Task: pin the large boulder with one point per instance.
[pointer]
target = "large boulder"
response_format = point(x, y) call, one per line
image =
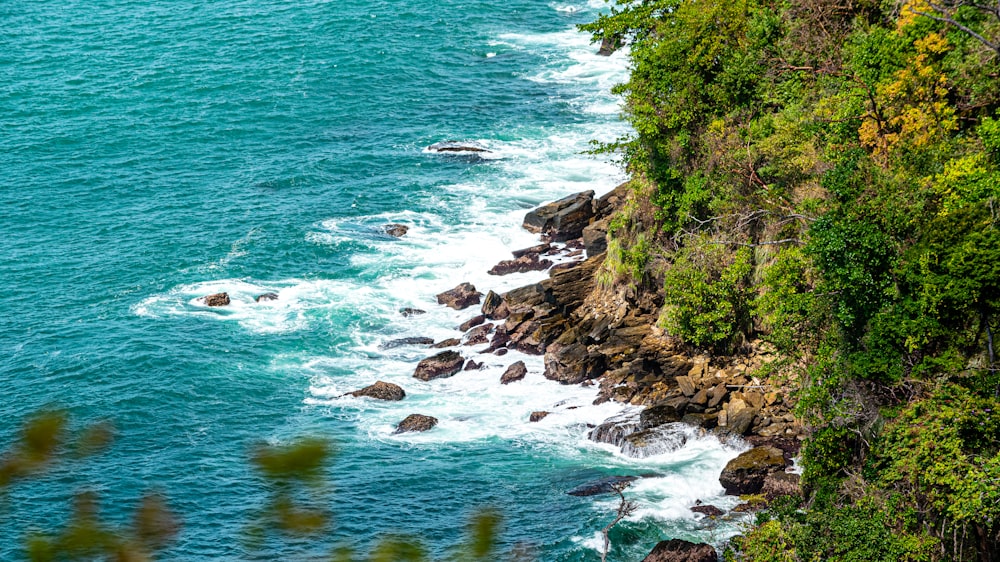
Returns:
point(479, 334)
point(472, 323)
point(677, 550)
point(218, 299)
point(514, 373)
point(444, 364)
point(659, 414)
point(416, 422)
point(462, 296)
point(564, 219)
point(381, 391)
point(746, 473)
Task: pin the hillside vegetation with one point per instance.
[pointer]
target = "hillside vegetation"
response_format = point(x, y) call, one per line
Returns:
point(824, 176)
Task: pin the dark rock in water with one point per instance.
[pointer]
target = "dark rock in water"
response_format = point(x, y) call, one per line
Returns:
point(494, 307)
point(658, 415)
point(537, 250)
point(479, 334)
point(472, 366)
point(746, 473)
point(381, 391)
point(514, 373)
point(564, 219)
point(218, 299)
point(457, 147)
point(614, 430)
point(651, 442)
point(416, 422)
point(500, 351)
point(779, 484)
point(709, 510)
point(461, 297)
point(538, 416)
point(444, 364)
point(472, 322)
point(602, 486)
point(677, 550)
point(450, 342)
point(411, 311)
point(266, 297)
point(396, 230)
point(417, 340)
point(522, 264)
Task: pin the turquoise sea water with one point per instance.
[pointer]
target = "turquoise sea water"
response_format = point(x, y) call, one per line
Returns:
point(153, 153)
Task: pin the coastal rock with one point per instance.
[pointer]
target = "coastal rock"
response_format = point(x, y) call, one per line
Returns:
point(416, 340)
point(472, 366)
point(608, 47)
point(218, 299)
point(450, 342)
point(677, 550)
point(779, 484)
point(660, 414)
point(563, 219)
point(479, 334)
point(494, 307)
point(381, 391)
point(472, 322)
point(573, 364)
point(444, 364)
point(651, 442)
point(536, 250)
point(538, 416)
point(407, 312)
point(416, 422)
point(514, 373)
point(709, 510)
point(605, 485)
point(395, 230)
point(522, 264)
point(461, 297)
point(595, 237)
point(746, 473)
point(266, 297)
point(457, 147)
point(614, 430)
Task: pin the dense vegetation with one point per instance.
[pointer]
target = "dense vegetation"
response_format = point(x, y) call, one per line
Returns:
point(824, 175)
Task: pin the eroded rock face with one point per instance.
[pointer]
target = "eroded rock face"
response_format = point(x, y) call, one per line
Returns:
point(651, 442)
point(381, 391)
point(396, 230)
point(461, 297)
point(677, 550)
point(514, 373)
point(218, 299)
point(564, 219)
point(416, 422)
point(444, 364)
point(746, 473)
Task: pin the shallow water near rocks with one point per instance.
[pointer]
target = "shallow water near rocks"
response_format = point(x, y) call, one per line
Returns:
point(155, 154)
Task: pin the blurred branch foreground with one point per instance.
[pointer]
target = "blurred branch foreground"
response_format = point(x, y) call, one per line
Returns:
point(297, 504)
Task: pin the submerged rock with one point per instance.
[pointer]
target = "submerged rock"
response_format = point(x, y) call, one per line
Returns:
point(709, 510)
point(514, 373)
point(395, 230)
point(457, 147)
point(444, 364)
point(218, 299)
point(461, 297)
point(677, 550)
point(411, 311)
point(381, 391)
point(614, 430)
point(652, 442)
point(538, 416)
point(416, 422)
point(417, 340)
point(605, 485)
point(266, 297)
point(746, 473)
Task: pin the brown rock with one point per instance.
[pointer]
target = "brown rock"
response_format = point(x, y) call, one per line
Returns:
point(537, 250)
point(514, 373)
point(709, 510)
point(396, 230)
point(450, 342)
point(381, 391)
point(746, 473)
point(494, 307)
point(472, 322)
point(472, 366)
point(662, 413)
point(411, 311)
point(719, 393)
point(461, 297)
point(563, 219)
point(677, 550)
point(416, 422)
point(416, 340)
point(479, 334)
point(686, 386)
point(573, 364)
point(538, 416)
point(522, 264)
point(595, 237)
point(444, 364)
point(218, 299)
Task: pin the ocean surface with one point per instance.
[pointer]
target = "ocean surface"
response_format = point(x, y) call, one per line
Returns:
point(155, 152)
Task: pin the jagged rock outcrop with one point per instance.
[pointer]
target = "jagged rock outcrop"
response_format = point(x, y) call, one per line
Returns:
point(478, 335)
point(564, 219)
point(416, 422)
point(677, 550)
point(395, 230)
point(746, 473)
point(381, 391)
point(444, 364)
point(218, 299)
point(708, 510)
point(461, 297)
point(514, 373)
point(530, 262)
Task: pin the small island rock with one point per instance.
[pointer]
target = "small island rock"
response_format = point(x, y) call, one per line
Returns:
point(218, 299)
point(416, 422)
point(381, 391)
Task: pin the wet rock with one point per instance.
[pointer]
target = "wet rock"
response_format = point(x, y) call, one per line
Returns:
point(530, 262)
point(501, 351)
point(417, 340)
point(660, 414)
point(494, 307)
point(514, 373)
point(472, 323)
point(564, 219)
point(266, 297)
point(457, 147)
point(605, 485)
point(472, 366)
point(381, 391)
point(746, 473)
point(218, 299)
point(677, 550)
point(686, 385)
point(779, 484)
point(479, 334)
point(573, 364)
point(614, 430)
point(595, 237)
point(651, 442)
point(411, 311)
point(461, 297)
point(538, 416)
point(444, 364)
point(537, 250)
point(395, 230)
point(416, 422)
point(450, 342)
point(709, 510)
